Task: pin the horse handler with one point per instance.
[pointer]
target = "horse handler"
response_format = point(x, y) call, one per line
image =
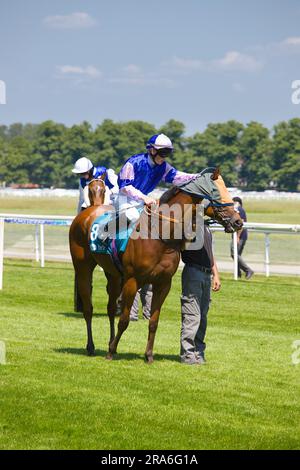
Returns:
point(199, 275)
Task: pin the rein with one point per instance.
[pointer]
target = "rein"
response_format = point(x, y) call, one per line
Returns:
point(150, 212)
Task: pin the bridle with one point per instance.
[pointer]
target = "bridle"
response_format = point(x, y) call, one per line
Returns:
point(99, 180)
point(228, 221)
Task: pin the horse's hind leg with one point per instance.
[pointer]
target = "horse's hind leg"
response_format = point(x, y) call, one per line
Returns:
point(84, 274)
point(128, 294)
point(160, 292)
point(114, 287)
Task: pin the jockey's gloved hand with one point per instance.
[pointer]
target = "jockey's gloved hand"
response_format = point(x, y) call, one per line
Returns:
point(149, 200)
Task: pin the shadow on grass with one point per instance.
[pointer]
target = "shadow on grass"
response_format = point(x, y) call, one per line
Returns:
point(79, 315)
point(118, 356)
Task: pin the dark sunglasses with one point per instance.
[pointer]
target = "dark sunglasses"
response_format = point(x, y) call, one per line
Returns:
point(165, 152)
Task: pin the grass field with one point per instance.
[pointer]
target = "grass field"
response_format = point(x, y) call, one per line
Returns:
point(55, 397)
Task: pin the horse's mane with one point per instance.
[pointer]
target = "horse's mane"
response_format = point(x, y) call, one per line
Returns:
point(168, 194)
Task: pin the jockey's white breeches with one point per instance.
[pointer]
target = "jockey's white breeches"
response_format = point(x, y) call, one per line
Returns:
point(129, 206)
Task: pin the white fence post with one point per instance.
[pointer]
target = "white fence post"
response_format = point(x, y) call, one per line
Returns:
point(37, 251)
point(42, 242)
point(1, 251)
point(235, 256)
point(267, 254)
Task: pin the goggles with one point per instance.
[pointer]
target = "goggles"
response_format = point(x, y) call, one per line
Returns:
point(164, 152)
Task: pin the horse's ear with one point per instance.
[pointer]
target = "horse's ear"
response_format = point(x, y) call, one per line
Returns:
point(216, 174)
point(103, 176)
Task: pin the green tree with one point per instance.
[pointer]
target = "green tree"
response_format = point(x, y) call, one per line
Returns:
point(115, 142)
point(255, 157)
point(49, 164)
point(78, 142)
point(286, 155)
point(218, 145)
point(14, 155)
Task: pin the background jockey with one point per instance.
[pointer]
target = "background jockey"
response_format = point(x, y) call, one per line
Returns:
point(87, 171)
point(142, 173)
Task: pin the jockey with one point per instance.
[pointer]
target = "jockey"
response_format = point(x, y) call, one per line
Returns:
point(142, 173)
point(87, 172)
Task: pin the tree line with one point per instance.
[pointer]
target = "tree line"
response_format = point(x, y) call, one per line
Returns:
point(250, 156)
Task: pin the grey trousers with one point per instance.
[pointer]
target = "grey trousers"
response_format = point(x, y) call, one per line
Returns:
point(242, 266)
point(195, 300)
point(145, 295)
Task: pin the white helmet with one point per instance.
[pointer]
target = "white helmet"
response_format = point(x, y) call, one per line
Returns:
point(159, 141)
point(82, 165)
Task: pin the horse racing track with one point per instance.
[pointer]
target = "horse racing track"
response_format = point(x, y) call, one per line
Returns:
point(55, 397)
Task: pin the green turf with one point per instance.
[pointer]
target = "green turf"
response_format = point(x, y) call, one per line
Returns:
point(39, 205)
point(55, 397)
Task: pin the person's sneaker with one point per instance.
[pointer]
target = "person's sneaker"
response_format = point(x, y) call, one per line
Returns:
point(202, 360)
point(249, 274)
point(190, 360)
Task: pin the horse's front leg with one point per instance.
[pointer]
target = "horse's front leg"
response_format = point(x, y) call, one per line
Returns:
point(128, 294)
point(84, 275)
point(160, 292)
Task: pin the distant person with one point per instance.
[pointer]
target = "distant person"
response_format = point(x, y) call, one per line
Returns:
point(242, 237)
point(199, 275)
point(144, 294)
point(86, 171)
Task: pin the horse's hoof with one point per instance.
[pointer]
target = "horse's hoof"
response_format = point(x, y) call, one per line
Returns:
point(90, 352)
point(109, 356)
point(149, 359)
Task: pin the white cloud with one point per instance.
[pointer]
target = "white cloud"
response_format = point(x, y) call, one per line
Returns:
point(132, 69)
point(143, 81)
point(234, 60)
point(187, 64)
point(76, 71)
point(134, 75)
point(78, 20)
point(238, 87)
point(292, 41)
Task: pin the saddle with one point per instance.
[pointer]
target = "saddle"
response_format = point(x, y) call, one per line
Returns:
point(110, 234)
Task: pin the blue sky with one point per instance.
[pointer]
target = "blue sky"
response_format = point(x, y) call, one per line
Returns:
point(196, 61)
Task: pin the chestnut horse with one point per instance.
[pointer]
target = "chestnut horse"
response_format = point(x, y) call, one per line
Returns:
point(145, 261)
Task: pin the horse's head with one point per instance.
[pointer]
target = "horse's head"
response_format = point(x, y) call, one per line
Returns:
point(209, 186)
point(97, 191)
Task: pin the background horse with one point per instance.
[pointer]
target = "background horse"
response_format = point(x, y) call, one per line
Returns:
point(145, 261)
point(96, 193)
